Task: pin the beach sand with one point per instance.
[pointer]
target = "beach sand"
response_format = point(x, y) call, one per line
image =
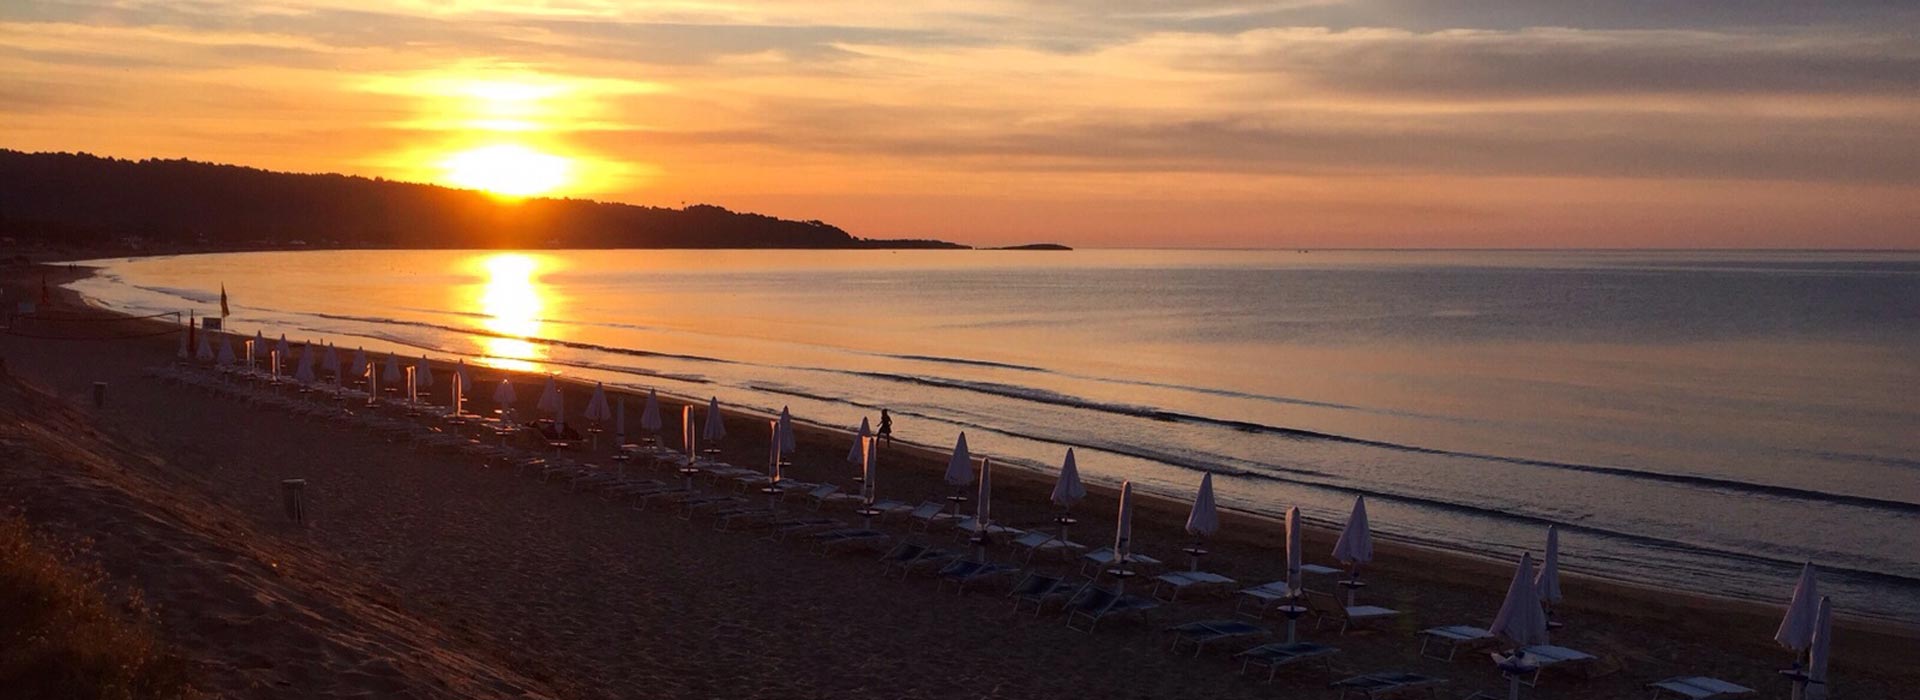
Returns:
point(434, 575)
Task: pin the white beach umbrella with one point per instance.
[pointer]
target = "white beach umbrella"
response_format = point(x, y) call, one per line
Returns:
point(1295, 586)
point(650, 413)
point(686, 431)
point(303, 371)
point(422, 372)
point(391, 374)
point(457, 393)
point(858, 451)
point(549, 396)
point(1822, 647)
point(460, 369)
point(716, 426)
point(773, 450)
point(1796, 629)
point(504, 395)
point(620, 421)
point(1123, 526)
point(359, 366)
point(559, 411)
point(330, 361)
point(204, 353)
point(1204, 518)
point(1521, 622)
point(787, 442)
point(597, 408)
point(870, 470)
point(1068, 489)
point(257, 347)
point(1355, 546)
point(960, 464)
point(1547, 584)
point(285, 350)
point(226, 351)
point(983, 501)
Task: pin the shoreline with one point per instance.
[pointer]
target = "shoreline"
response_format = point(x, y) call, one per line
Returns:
point(1447, 587)
point(1259, 527)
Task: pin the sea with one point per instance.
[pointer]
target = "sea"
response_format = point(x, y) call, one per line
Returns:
point(1702, 421)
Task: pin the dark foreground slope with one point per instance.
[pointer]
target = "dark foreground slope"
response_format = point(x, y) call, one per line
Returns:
point(82, 200)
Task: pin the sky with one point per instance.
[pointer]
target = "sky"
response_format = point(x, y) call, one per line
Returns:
point(1297, 123)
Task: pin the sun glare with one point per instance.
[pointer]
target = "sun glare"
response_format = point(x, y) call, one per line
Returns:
point(507, 169)
point(510, 299)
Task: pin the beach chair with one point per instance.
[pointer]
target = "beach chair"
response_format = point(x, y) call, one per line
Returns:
point(1173, 582)
point(848, 538)
point(1038, 589)
point(1037, 542)
point(1094, 604)
point(1452, 639)
point(1699, 688)
point(1545, 656)
point(724, 520)
point(1274, 657)
point(1205, 632)
point(692, 506)
point(1326, 607)
point(1263, 597)
point(965, 572)
point(818, 496)
point(1392, 684)
point(964, 527)
point(931, 513)
point(1096, 561)
point(781, 529)
point(908, 556)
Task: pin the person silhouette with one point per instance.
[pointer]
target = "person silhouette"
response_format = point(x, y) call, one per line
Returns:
point(886, 427)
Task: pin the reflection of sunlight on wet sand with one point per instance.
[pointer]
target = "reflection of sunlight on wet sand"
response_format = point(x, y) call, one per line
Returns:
point(510, 300)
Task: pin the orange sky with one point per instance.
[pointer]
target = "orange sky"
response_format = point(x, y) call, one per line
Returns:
point(1440, 123)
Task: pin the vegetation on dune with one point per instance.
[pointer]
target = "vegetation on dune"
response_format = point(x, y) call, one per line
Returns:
point(61, 636)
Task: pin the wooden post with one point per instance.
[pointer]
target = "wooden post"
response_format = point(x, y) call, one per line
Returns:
point(293, 497)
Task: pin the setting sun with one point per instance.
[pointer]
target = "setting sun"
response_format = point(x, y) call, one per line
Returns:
point(507, 169)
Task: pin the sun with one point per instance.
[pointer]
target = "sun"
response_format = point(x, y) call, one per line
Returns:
point(508, 169)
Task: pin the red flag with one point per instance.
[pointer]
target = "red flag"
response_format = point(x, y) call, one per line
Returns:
point(223, 300)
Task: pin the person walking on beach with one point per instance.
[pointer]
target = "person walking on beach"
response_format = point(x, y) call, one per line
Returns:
point(886, 427)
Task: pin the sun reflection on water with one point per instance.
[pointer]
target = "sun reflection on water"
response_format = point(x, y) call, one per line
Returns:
point(510, 301)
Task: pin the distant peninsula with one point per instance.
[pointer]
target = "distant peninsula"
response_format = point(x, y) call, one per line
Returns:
point(77, 201)
point(1034, 246)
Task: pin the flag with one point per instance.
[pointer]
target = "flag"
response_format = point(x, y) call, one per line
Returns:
point(223, 301)
point(190, 328)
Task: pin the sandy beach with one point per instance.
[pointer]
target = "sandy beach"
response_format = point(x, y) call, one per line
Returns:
point(429, 574)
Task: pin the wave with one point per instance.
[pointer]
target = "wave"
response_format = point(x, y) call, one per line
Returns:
point(1158, 414)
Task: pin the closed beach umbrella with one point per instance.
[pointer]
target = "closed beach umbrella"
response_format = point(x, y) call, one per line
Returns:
point(686, 431)
point(330, 361)
point(960, 465)
point(1123, 526)
point(1796, 629)
point(1068, 490)
point(650, 413)
point(460, 368)
point(391, 374)
point(597, 409)
point(1294, 559)
point(204, 353)
point(1547, 584)
point(620, 421)
point(787, 442)
point(285, 350)
point(504, 395)
point(226, 351)
point(869, 470)
point(1203, 519)
point(716, 427)
point(422, 372)
point(1355, 546)
point(1817, 658)
point(1521, 622)
point(859, 449)
point(303, 372)
point(773, 451)
point(258, 346)
point(549, 396)
point(359, 366)
point(983, 501)
point(559, 412)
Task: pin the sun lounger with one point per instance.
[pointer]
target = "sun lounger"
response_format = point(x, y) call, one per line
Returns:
point(908, 556)
point(1453, 638)
point(1173, 582)
point(690, 507)
point(1205, 632)
point(931, 513)
point(725, 520)
point(1263, 597)
point(1095, 604)
point(964, 572)
point(832, 540)
point(1277, 656)
point(1096, 561)
point(1038, 589)
point(1328, 607)
point(999, 533)
point(1544, 656)
point(1699, 688)
point(1387, 685)
point(1037, 542)
point(784, 528)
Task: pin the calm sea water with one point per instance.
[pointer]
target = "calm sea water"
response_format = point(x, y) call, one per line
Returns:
point(1699, 420)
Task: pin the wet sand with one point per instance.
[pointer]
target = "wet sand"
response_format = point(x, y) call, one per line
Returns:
point(589, 598)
